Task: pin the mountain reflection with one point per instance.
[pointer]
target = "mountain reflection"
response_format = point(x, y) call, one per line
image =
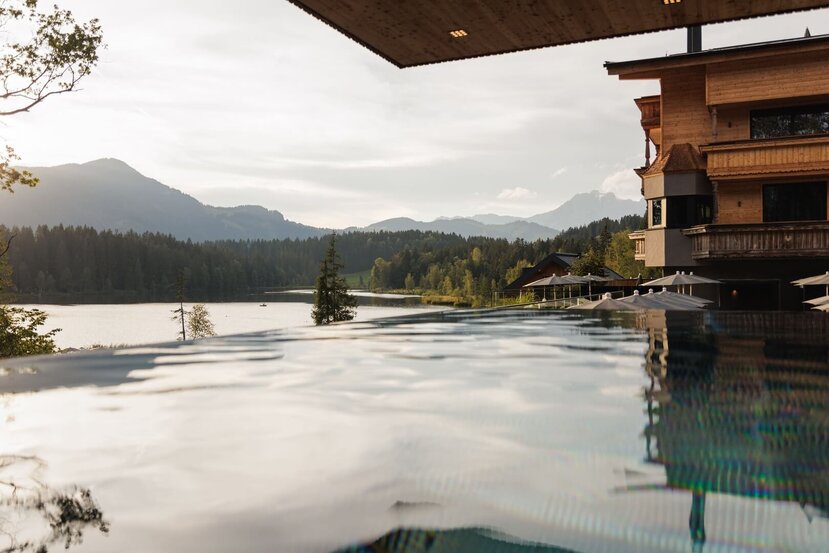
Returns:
point(447, 541)
point(742, 411)
point(34, 516)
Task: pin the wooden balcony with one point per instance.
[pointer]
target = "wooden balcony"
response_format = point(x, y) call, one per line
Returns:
point(780, 157)
point(650, 109)
point(638, 238)
point(759, 241)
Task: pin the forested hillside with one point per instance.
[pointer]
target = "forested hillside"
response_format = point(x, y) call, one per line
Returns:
point(468, 273)
point(81, 261)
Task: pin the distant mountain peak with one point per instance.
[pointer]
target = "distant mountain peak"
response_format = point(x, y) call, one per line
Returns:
point(108, 193)
point(109, 163)
point(586, 207)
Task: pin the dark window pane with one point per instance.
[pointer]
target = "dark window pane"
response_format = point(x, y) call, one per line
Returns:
point(792, 121)
point(656, 213)
point(810, 123)
point(687, 211)
point(794, 202)
point(769, 126)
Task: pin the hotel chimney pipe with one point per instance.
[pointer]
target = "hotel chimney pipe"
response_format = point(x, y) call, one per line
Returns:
point(694, 39)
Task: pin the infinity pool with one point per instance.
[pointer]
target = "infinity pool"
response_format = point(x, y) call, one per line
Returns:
point(507, 431)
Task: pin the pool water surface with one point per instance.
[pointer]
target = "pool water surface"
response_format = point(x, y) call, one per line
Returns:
point(493, 431)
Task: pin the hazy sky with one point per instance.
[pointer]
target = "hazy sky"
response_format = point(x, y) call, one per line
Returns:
point(254, 101)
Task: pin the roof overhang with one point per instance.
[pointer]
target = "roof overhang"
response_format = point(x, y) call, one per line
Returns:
point(652, 68)
point(417, 32)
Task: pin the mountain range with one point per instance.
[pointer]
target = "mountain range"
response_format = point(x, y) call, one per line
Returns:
point(109, 194)
point(467, 227)
point(579, 210)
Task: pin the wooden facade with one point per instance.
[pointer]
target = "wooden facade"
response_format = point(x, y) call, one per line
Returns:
point(759, 241)
point(742, 169)
point(416, 32)
point(785, 157)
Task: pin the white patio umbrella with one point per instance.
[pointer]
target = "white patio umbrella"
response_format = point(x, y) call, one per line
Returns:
point(590, 279)
point(818, 280)
point(555, 280)
point(607, 303)
point(681, 279)
point(662, 303)
point(818, 301)
point(665, 293)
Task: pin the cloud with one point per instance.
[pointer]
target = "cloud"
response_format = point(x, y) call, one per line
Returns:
point(625, 184)
point(558, 172)
point(517, 193)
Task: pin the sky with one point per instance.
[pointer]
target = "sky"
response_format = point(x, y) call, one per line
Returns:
point(256, 102)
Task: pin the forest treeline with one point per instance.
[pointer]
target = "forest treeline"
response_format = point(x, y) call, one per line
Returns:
point(82, 260)
point(469, 273)
point(66, 260)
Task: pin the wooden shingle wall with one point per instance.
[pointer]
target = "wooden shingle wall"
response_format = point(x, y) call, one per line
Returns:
point(793, 76)
point(733, 124)
point(786, 157)
point(685, 117)
point(739, 203)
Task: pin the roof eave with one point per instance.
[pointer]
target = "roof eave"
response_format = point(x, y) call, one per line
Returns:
point(651, 68)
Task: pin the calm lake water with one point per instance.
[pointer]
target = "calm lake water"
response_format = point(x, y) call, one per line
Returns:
point(508, 431)
point(83, 325)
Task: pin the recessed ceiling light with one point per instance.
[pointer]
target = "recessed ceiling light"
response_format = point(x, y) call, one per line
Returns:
point(669, 2)
point(458, 33)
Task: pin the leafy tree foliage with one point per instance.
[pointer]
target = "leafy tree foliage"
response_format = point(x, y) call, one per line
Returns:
point(10, 175)
point(54, 53)
point(332, 302)
point(590, 262)
point(19, 334)
point(620, 257)
point(199, 323)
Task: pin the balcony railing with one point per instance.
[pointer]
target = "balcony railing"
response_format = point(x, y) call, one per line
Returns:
point(806, 155)
point(650, 108)
point(759, 241)
point(638, 238)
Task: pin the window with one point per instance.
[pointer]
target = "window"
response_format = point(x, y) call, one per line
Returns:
point(794, 202)
point(793, 121)
point(656, 213)
point(687, 211)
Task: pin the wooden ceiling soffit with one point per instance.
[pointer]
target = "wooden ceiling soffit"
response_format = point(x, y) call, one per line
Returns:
point(418, 32)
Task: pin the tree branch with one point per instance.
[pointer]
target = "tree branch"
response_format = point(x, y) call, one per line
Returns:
point(8, 245)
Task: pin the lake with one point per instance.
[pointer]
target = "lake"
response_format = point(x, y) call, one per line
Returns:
point(83, 325)
point(509, 431)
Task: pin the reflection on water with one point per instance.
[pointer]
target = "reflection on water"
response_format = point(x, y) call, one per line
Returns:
point(34, 516)
point(741, 413)
point(462, 431)
point(446, 541)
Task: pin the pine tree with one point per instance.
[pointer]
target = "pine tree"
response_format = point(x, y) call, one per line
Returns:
point(332, 302)
point(199, 323)
point(180, 314)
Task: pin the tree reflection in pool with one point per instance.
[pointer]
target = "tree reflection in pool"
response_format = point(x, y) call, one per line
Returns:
point(34, 516)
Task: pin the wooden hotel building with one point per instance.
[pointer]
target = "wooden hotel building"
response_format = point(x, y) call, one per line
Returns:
point(737, 184)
